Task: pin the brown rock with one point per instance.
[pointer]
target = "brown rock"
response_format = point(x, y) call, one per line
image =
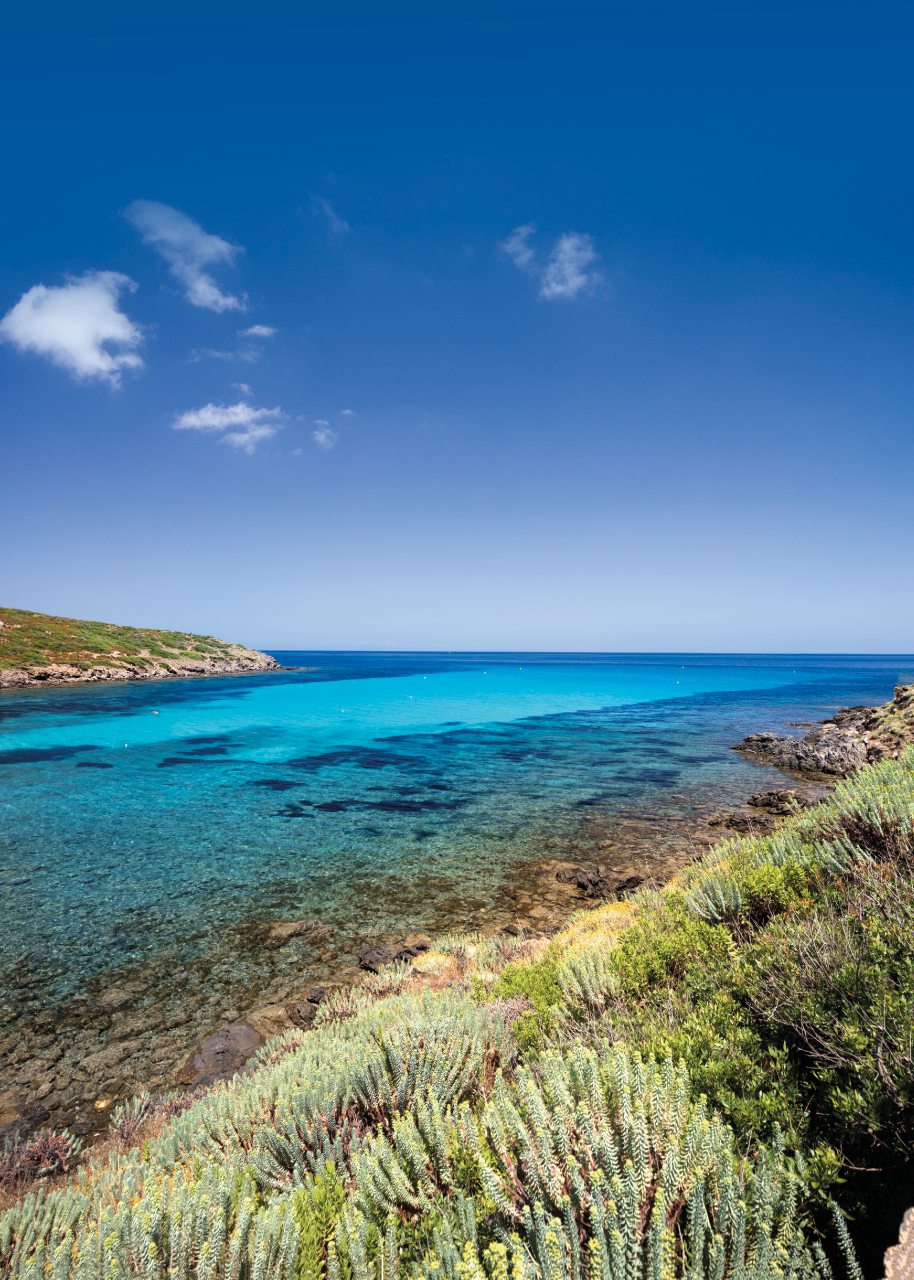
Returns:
point(221, 1054)
point(628, 885)
point(114, 998)
point(376, 955)
point(268, 1020)
point(301, 1013)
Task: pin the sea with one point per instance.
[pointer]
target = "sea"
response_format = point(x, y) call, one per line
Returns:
point(147, 830)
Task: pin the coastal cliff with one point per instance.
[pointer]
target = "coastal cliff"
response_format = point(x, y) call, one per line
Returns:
point(40, 649)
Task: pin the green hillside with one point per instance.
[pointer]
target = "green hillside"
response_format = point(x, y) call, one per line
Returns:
point(34, 642)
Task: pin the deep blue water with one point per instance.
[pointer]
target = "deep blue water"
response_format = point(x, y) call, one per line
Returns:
point(379, 792)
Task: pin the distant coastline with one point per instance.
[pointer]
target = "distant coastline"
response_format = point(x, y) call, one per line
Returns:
point(38, 650)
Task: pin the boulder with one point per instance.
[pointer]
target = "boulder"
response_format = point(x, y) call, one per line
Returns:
point(221, 1054)
point(899, 1260)
point(302, 1013)
point(590, 881)
point(779, 803)
point(375, 955)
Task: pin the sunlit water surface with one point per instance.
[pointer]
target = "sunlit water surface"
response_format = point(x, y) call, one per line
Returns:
point(375, 792)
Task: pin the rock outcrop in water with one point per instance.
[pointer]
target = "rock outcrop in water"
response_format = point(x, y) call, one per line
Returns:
point(852, 737)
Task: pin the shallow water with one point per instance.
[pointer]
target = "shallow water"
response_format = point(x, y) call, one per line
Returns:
point(143, 827)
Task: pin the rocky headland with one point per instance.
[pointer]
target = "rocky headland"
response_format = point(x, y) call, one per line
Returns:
point(39, 649)
point(854, 736)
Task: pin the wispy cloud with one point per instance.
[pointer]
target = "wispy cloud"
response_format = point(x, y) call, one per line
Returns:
point(248, 439)
point(76, 324)
point(567, 270)
point(570, 267)
point(241, 425)
point(243, 388)
point(347, 413)
point(247, 355)
point(518, 248)
point(188, 250)
point(258, 331)
point(337, 226)
point(324, 435)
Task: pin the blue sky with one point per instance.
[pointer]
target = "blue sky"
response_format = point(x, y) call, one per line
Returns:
point(462, 326)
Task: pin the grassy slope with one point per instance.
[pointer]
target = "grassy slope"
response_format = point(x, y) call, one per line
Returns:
point(33, 640)
point(493, 1110)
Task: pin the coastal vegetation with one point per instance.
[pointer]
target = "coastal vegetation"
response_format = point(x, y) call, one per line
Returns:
point(41, 648)
point(713, 1079)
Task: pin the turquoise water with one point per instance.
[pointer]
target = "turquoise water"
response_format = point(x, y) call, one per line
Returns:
point(378, 792)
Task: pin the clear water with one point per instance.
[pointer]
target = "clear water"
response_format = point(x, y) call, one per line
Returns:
point(143, 824)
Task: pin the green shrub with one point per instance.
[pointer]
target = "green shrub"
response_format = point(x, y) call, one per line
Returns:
point(539, 983)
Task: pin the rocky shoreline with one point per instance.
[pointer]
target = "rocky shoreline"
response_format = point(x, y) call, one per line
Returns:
point(853, 737)
point(137, 1030)
point(153, 1028)
point(237, 662)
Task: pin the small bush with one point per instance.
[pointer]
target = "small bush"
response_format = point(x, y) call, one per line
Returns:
point(538, 983)
point(42, 1155)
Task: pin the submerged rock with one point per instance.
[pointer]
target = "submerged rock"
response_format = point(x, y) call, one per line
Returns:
point(282, 931)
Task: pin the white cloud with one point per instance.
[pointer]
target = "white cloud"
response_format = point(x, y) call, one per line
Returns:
point(258, 331)
point(324, 435)
point(75, 323)
point(216, 417)
point(188, 250)
point(567, 271)
point(244, 388)
point(243, 426)
point(248, 439)
point(336, 225)
point(347, 413)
